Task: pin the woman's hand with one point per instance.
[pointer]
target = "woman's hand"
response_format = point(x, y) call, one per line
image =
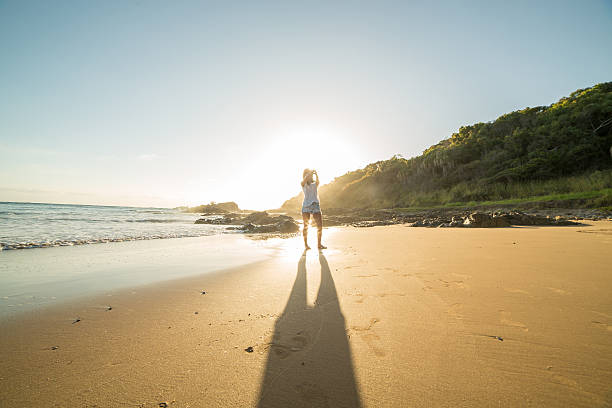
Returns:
point(307, 177)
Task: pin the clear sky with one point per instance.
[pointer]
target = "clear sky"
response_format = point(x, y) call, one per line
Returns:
point(172, 103)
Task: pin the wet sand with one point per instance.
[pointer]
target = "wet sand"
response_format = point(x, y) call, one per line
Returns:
point(387, 317)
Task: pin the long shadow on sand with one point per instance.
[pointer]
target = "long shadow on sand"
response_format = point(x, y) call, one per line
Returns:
point(309, 361)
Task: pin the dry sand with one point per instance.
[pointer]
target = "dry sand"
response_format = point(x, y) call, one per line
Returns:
point(387, 317)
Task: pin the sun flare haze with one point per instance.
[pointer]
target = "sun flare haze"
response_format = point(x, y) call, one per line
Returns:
point(159, 104)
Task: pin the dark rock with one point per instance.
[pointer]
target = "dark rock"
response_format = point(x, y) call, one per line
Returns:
point(456, 222)
point(481, 220)
point(249, 349)
point(248, 227)
point(520, 218)
point(260, 218)
point(288, 226)
point(203, 221)
point(257, 222)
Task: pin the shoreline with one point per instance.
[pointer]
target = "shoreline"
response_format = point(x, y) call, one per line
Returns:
point(43, 276)
point(403, 316)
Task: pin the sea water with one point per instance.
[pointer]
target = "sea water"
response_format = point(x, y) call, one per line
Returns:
point(49, 254)
point(36, 225)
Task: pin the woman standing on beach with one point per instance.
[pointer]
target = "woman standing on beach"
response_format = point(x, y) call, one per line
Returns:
point(311, 205)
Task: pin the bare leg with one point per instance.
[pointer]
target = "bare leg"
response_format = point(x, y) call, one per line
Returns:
point(319, 221)
point(306, 219)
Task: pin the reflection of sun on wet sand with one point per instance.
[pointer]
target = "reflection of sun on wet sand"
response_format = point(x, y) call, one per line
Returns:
point(401, 317)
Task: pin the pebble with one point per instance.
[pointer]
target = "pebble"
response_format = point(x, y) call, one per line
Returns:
point(249, 349)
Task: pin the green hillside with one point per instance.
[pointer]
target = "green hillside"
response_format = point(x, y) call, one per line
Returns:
point(561, 149)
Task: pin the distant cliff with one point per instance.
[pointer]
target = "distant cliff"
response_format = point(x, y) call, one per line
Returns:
point(561, 148)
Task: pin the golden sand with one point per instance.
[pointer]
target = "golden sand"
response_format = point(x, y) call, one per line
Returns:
point(387, 317)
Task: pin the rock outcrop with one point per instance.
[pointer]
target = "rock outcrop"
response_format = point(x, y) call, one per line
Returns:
point(256, 222)
point(481, 220)
point(264, 222)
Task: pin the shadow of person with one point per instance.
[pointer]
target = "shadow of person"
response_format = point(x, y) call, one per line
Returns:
point(309, 361)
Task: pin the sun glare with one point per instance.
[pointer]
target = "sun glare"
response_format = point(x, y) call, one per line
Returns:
point(290, 150)
point(319, 148)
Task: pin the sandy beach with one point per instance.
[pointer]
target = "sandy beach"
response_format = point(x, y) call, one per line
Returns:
point(387, 317)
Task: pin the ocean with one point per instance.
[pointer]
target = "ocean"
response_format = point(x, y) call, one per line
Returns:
point(48, 255)
point(38, 225)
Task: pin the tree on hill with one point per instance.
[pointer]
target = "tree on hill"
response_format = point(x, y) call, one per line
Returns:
point(482, 161)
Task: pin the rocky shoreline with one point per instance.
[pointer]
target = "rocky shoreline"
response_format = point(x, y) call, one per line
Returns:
point(256, 222)
point(465, 218)
point(263, 222)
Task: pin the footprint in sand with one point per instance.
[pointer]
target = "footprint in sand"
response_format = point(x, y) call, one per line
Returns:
point(364, 276)
point(505, 319)
point(382, 295)
point(360, 296)
point(602, 325)
point(370, 338)
point(386, 268)
point(559, 379)
point(295, 343)
point(456, 284)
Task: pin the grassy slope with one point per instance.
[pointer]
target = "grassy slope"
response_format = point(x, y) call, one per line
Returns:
point(554, 153)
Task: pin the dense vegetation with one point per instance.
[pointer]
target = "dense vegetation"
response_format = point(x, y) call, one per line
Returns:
point(558, 149)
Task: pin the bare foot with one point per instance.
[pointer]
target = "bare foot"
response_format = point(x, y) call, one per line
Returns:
point(307, 247)
point(322, 246)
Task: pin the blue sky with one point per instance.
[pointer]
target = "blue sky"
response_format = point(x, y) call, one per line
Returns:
point(172, 103)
